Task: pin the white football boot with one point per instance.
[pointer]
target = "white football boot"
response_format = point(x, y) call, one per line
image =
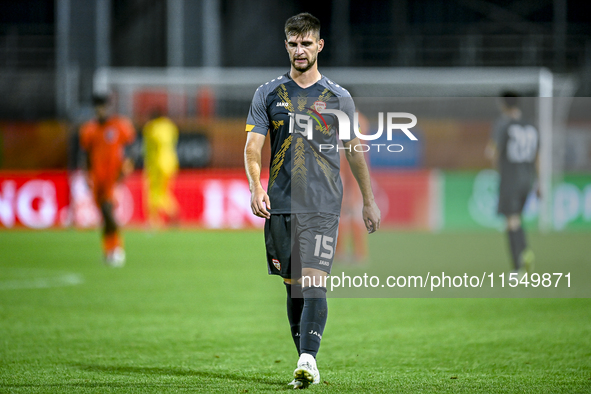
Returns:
point(116, 258)
point(306, 373)
point(295, 384)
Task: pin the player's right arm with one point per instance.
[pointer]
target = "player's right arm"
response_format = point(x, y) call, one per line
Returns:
point(259, 199)
point(257, 127)
point(85, 142)
point(492, 149)
point(491, 152)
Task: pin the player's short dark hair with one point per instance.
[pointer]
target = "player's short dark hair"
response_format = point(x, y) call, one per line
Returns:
point(302, 24)
point(99, 99)
point(510, 99)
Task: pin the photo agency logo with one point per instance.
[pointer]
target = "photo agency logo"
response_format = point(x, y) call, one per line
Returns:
point(304, 124)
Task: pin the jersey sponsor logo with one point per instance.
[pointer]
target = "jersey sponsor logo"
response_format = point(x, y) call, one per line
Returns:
point(280, 104)
point(277, 264)
point(110, 135)
point(319, 105)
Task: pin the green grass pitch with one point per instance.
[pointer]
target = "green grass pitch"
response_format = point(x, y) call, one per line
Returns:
point(194, 311)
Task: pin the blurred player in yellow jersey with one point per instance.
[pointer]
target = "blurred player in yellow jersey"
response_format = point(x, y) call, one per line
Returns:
point(160, 167)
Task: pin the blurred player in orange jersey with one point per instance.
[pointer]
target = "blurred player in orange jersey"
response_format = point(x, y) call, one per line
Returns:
point(160, 166)
point(104, 140)
point(352, 236)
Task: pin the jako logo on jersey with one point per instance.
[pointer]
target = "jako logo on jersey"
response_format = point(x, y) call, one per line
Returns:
point(277, 264)
point(305, 123)
point(282, 104)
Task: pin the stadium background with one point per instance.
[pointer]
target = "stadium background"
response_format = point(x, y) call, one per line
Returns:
point(201, 61)
point(165, 54)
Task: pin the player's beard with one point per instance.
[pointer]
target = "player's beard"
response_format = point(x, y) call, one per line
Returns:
point(308, 65)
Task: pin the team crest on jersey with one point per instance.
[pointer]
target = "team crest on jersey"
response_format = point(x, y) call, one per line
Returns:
point(277, 264)
point(319, 105)
point(110, 135)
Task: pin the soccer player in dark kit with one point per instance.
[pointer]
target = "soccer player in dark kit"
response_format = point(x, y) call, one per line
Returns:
point(514, 147)
point(303, 199)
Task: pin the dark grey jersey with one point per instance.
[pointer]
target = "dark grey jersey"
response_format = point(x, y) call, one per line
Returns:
point(517, 144)
point(304, 172)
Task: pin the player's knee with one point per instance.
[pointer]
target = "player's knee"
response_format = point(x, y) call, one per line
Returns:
point(110, 226)
point(313, 280)
point(314, 292)
point(513, 222)
point(107, 211)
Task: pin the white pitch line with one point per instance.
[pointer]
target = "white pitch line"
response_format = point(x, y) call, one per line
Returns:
point(40, 279)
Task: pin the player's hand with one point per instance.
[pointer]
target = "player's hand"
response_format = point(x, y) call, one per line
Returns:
point(127, 167)
point(371, 217)
point(260, 203)
point(538, 190)
point(87, 178)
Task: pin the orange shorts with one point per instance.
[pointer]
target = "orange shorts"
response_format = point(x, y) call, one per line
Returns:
point(103, 192)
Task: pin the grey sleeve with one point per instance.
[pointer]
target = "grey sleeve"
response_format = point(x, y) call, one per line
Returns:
point(258, 119)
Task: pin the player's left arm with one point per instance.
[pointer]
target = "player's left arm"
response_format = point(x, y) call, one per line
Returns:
point(129, 133)
point(537, 187)
point(371, 213)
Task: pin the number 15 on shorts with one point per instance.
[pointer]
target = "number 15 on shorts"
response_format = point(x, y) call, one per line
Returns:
point(324, 242)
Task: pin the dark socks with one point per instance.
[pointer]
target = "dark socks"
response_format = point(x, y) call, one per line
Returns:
point(313, 320)
point(295, 304)
point(517, 244)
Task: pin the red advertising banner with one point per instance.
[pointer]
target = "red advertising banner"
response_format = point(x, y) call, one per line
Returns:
point(34, 199)
point(207, 198)
point(407, 199)
point(213, 199)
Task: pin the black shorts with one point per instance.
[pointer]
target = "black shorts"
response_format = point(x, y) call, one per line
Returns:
point(512, 201)
point(302, 240)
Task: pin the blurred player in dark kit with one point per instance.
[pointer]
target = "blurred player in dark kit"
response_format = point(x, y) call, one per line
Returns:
point(513, 147)
point(104, 139)
point(303, 201)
